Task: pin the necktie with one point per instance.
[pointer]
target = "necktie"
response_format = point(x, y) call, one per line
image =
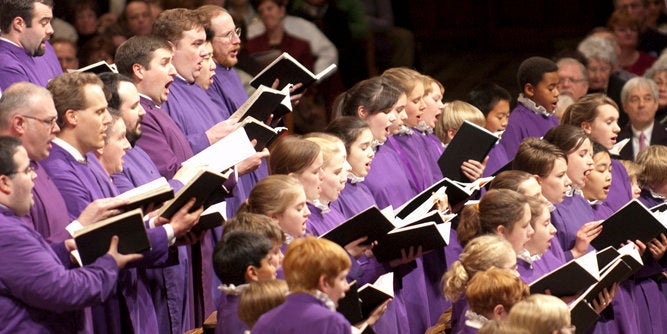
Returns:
point(642, 141)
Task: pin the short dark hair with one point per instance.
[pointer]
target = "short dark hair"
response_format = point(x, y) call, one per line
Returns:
point(486, 95)
point(235, 252)
point(377, 94)
point(8, 146)
point(111, 82)
point(566, 137)
point(347, 128)
point(10, 9)
point(138, 50)
point(537, 156)
point(532, 70)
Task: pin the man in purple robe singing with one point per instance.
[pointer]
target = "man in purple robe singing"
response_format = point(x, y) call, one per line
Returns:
point(27, 112)
point(25, 53)
point(39, 293)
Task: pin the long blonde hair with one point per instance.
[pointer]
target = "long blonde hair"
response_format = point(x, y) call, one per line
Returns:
point(480, 254)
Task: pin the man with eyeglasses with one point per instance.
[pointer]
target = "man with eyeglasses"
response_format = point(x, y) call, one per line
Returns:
point(228, 90)
point(40, 293)
point(25, 53)
point(27, 112)
point(572, 78)
point(201, 120)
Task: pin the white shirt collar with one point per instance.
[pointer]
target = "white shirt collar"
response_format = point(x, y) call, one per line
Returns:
point(70, 149)
point(10, 42)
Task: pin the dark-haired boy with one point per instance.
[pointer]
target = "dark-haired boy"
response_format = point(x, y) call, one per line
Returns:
point(239, 258)
point(534, 114)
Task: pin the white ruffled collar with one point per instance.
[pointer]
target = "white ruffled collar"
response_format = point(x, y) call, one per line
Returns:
point(475, 320)
point(231, 289)
point(354, 179)
point(530, 104)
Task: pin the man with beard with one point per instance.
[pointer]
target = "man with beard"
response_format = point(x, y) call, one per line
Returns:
point(228, 90)
point(25, 53)
point(138, 168)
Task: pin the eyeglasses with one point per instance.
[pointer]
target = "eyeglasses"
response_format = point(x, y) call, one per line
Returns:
point(51, 122)
point(230, 35)
point(27, 171)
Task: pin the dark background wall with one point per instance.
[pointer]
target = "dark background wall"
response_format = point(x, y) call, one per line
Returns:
point(462, 43)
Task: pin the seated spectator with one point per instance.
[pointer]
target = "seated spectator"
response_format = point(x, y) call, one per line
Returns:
point(66, 52)
point(572, 78)
point(658, 73)
point(85, 20)
point(137, 18)
point(626, 28)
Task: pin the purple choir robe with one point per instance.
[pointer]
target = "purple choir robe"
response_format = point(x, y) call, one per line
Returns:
point(388, 180)
point(419, 156)
point(620, 192)
point(194, 112)
point(434, 149)
point(139, 169)
point(16, 65)
point(227, 90)
point(168, 286)
point(319, 223)
point(548, 262)
point(83, 183)
point(568, 217)
point(162, 139)
point(524, 123)
point(497, 159)
point(51, 299)
point(646, 198)
point(601, 211)
point(353, 199)
point(302, 313)
point(228, 317)
point(48, 215)
point(413, 155)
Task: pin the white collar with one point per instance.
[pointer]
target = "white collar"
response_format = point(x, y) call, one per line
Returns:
point(475, 320)
point(323, 297)
point(231, 289)
point(530, 104)
point(70, 149)
point(404, 130)
point(324, 207)
point(354, 179)
point(10, 42)
point(526, 257)
point(424, 128)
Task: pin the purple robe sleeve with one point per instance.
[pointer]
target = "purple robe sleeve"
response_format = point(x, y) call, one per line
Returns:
point(620, 192)
point(53, 287)
point(162, 140)
point(524, 123)
point(75, 181)
point(48, 214)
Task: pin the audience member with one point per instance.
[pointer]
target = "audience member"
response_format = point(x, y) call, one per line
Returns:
point(640, 101)
point(572, 78)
